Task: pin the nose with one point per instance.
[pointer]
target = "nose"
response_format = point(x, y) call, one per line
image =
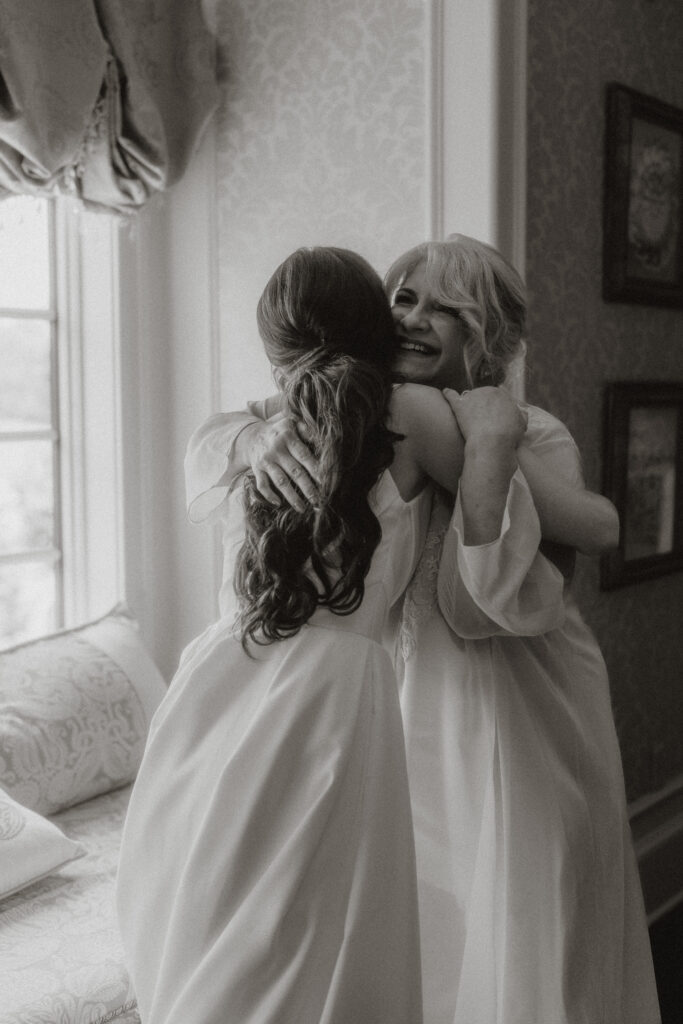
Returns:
point(414, 319)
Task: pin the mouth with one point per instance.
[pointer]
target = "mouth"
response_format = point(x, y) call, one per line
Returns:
point(406, 345)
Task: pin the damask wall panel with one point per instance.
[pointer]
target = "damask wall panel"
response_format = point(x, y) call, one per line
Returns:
point(321, 140)
point(577, 342)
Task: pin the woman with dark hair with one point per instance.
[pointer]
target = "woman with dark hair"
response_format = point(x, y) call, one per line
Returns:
point(267, 871)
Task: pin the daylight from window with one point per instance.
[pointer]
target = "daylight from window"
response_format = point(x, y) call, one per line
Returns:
point(29, 524)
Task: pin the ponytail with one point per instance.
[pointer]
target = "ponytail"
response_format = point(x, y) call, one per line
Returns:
point(291, 562)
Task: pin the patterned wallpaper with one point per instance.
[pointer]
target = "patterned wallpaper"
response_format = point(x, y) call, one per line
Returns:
point(321, 140)
point(577, 342)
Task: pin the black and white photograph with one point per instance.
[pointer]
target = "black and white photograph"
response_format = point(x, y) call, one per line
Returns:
point(341, 512)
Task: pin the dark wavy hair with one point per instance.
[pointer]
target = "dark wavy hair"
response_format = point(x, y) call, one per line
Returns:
point(327, 328)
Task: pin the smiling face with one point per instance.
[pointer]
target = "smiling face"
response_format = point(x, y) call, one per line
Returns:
point(431, 336)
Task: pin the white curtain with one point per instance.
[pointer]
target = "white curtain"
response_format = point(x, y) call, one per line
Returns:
point(103, 99)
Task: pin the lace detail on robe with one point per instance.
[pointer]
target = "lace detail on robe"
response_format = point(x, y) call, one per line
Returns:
point(421, 595)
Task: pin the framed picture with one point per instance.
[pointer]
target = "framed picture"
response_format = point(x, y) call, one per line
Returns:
point(643, 207)
point(643, 476)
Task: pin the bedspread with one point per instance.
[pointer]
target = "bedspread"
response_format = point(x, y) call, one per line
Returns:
point(61, 959)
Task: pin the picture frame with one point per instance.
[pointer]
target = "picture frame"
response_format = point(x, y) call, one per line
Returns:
point(643, 199)
point(643, 476)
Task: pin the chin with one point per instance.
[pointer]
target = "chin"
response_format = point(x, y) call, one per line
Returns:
point(405, 370)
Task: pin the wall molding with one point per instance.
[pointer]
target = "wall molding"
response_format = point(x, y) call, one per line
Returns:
point(215, 356)
point(435, 120)
point(71, 429)
point(657, 828)
point(511, 103)
point(476, 121)
point(89, 333)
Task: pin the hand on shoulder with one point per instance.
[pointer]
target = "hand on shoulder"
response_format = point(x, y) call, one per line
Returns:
point(284, 467)
point(488, 413)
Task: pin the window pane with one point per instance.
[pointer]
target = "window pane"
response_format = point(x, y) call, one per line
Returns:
point(27, 601)
point(26, 495)
point(24, 253)
point(25, 378)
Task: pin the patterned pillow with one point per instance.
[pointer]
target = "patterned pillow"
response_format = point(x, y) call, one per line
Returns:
point(75, 708)
point(30, 847)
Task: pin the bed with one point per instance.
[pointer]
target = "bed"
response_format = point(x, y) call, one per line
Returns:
point(75, 709)
point(61, 955)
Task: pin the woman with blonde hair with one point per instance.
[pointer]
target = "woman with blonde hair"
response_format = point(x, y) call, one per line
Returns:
point(530, 900)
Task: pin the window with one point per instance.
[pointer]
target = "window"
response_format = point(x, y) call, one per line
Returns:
point(31, 595)
point(60, 426)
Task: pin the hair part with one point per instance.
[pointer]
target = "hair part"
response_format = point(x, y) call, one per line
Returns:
point(327, 326)
point(488, 294)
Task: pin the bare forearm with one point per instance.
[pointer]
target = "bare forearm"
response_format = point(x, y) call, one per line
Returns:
point(493, 426)
point(568, 515)
point(489, 465)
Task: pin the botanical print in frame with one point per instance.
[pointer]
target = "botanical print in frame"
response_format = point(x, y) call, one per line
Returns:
point(643, 208)
point(644, 478)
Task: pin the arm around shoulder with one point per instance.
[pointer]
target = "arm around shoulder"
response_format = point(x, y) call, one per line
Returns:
point(216, 454)
point(432, 446)
point(569, 514)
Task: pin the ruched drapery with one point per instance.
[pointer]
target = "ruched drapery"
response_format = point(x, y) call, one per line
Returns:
point(102, 99)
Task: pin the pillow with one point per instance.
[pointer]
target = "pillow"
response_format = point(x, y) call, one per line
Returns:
point(75, 709)
point(30, 847)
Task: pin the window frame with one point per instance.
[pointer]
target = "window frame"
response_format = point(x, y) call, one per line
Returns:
point(53, 554)
point(85, 414)
point(89, 374)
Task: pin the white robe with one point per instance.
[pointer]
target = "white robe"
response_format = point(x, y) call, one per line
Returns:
point(531, 910)
point(267, 871)
point(530, 903)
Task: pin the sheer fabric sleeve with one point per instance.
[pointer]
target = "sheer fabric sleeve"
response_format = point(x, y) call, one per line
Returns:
point(550, 440)
point(505, 587)
point(208, 481)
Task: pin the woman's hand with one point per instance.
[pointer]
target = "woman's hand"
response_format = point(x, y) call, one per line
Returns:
point(488, 413)
point(570, 516)
point(280, 458)
point(493, 425)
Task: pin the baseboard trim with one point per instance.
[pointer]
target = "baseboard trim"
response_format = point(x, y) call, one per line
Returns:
point(657, 828)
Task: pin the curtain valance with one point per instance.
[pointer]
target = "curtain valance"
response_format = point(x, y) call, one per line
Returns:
point(103, 99)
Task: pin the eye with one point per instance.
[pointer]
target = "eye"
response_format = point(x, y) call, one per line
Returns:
point(403, 297)
point(448, 310)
